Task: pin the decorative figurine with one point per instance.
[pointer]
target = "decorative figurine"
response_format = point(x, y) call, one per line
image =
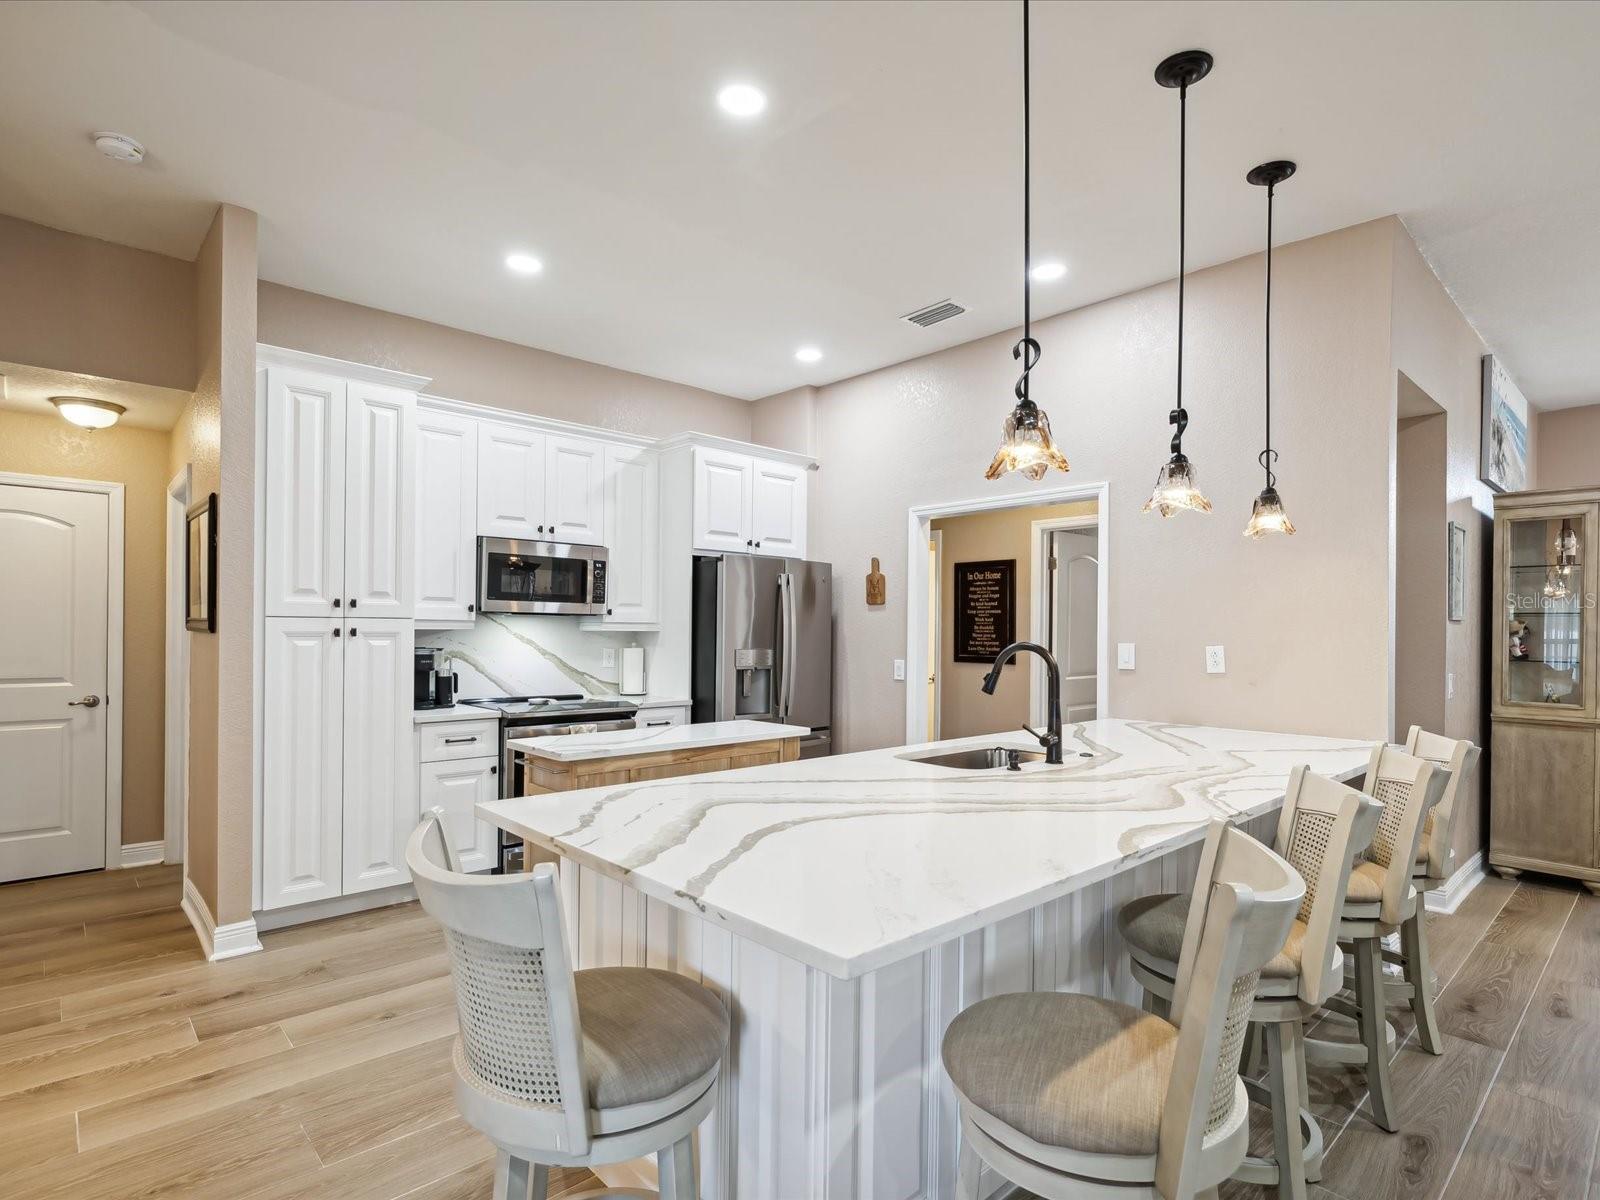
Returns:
point(1519, 638)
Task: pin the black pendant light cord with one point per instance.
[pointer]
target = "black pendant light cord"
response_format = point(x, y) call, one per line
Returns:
point(1027, 350)
point(1269, 455)
point(1180, 416)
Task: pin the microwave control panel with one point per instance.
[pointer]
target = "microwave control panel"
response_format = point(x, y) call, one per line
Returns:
point(599, 596)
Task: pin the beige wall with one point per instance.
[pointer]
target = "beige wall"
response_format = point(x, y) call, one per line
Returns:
point(73, 303)
point(1568, 446)
point(1420, 568)
point(482, 370)
point(1304, 619)
point(1006, 533)
point(216, 435)
point(36, 444)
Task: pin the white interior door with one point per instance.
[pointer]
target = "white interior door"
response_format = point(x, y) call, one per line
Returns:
point(1075, 618)
point(53, 671)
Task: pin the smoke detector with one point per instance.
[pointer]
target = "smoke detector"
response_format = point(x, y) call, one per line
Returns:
point(119, 147)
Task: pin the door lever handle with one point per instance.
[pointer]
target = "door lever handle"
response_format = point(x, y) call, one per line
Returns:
point(86, 702)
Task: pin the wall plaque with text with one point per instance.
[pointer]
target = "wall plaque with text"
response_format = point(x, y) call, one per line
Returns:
point(986, 609)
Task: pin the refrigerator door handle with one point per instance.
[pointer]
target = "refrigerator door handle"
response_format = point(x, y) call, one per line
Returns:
point(790, 640)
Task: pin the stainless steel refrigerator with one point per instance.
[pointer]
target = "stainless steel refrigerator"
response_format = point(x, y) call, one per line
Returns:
point(763, 643)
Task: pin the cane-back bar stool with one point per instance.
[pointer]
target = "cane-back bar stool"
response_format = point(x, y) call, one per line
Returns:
point(1381, 899)
point(557, 1067)
point(1073, 1096)
point(1322, 827)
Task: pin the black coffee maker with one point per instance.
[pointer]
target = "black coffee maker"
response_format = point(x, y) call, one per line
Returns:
point(432, 688)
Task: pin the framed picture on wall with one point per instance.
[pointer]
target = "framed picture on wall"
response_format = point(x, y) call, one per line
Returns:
point(200, 566)
point(986, 609)
point(1456, 573)
point(1503, 435)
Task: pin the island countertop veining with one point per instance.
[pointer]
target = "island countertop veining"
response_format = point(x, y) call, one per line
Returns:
point(857, 861)
point(624, 743)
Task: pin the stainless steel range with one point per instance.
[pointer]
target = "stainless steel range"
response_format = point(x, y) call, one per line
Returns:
point(546, 716)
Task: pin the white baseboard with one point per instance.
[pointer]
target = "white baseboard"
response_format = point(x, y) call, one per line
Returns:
point(217, 941)
point(337, 906)
point(1458, 887)
point(142, 854)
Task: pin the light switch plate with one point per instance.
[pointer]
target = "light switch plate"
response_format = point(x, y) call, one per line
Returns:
point(900, 669)
point(608, 658)
point(1124, 656)
point(1214, 661)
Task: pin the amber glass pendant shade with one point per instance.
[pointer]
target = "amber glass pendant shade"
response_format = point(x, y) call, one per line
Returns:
point(1026, 445)
point(1176, 489)
point(1267, 515)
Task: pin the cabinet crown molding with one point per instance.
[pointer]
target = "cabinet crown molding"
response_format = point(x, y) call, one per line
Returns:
point(508, 416)
point(282, 356)
point(753, 449)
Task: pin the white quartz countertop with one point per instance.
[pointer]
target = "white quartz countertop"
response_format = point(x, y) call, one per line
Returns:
point(857, 861)
point(581, 747)
point(456, 712)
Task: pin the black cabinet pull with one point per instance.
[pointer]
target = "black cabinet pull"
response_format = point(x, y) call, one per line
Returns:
point(457, 741)
point(352, 631)
point(472, 608)
point(608, 612)
point(652, 724)
point(336, 602)
point(494, 770)
point(352, 601)
point(337, 631)
point(748, 542)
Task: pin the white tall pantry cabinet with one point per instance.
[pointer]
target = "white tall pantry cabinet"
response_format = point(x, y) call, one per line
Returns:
point(338, 782)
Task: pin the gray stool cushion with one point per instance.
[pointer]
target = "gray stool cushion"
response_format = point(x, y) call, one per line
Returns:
point(1366, 883)
point(1067, 1070)
point(646, 1033)
point(1153, 926)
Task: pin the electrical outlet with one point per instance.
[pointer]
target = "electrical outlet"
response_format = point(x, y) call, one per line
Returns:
point(1214, 661)
point(608, 658)
point(1124, 656)
point(900, 669)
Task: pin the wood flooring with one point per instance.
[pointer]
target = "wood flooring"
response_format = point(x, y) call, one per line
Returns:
point(131, 1067)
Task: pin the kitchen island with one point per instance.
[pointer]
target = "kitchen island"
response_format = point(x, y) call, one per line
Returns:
point(849, 907)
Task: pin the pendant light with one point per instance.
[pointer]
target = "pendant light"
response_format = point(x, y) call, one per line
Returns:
point(1176, 488)
point(1025, 442)
point(1266, 514)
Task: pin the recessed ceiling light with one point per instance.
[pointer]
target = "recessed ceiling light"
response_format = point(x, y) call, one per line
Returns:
point(119, 146)
point(1049, 271)
point(524, 264)
point(742, 100)
point(88, 413)
point(808, 354)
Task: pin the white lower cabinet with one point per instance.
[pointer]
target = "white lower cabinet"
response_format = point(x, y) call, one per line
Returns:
point(338, 792)
point(456, 786)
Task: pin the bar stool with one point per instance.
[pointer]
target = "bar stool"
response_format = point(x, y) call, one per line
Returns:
point(1434, 866)
point(1322, 827)
point(557, 1067)
point(1380, 900)
point(1074, 1096)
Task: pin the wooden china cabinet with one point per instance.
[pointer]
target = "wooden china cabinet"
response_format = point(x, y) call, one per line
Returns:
point(1544, 791)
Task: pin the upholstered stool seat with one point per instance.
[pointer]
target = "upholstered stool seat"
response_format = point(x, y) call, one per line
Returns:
point(1153, 928)
point(1066, 1070)
point(646, 1033)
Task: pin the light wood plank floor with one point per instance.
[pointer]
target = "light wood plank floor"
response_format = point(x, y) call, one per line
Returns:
point(320, 1067)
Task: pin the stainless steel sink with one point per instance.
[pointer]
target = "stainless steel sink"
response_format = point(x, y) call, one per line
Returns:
point(980, 758)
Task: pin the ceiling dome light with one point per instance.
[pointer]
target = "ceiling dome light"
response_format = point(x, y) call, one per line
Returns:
point(88, 413)
point(1048, 271)
point(119, 147)
point(808, 354)
point(524, 264)
point(1025, 441)
point(742, 100)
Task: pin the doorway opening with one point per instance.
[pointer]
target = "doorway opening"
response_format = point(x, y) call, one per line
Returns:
point(1041, 559)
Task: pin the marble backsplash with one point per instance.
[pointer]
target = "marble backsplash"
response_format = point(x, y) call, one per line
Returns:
point(508, 655)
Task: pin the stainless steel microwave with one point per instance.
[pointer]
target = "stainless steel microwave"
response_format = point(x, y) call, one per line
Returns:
point(541, 577)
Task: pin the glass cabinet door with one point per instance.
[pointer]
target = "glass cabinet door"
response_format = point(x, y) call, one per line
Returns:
point(1547, 601)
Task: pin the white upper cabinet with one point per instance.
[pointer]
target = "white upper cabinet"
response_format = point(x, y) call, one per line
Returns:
point(304, 493)
point(380, 796)
point(380, 500)
point(750, 504)
point(510, 481)
point(722, 491)
point(574, 490)
point(303, 731)
point(447, 518)
point(633, 536)
point(778, 509)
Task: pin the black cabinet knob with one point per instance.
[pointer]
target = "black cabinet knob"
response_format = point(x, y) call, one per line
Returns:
point(472, 608)
point(337, 631)
point(352, 631)
point(336, 602)
point(494, 770)
point(608, 612)
point(352, 601)
point(748, 542)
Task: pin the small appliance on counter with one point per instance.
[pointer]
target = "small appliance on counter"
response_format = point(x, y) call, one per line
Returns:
point(632, 671)
point(545, 716)
point(433, 686)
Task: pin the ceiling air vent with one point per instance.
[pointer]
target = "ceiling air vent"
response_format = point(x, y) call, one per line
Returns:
point(932, 314)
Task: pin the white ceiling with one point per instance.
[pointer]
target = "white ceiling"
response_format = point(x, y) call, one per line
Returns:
point(28, 389)
point(397, 152)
